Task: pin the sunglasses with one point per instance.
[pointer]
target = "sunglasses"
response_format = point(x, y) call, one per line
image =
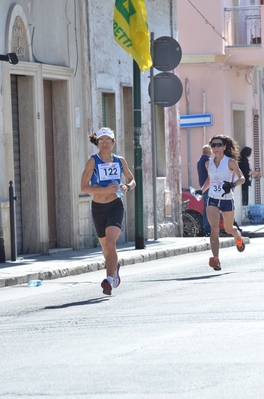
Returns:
point(213, 145)
point(107, 141)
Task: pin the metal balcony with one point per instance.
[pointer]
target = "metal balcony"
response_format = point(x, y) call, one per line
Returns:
point(243, 33)
point(243, 26)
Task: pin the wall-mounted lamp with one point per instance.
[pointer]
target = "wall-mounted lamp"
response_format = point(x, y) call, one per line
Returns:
point(9, 57)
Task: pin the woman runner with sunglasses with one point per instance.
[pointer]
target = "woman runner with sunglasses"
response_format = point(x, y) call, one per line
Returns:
point(101, 178)
point(222, 167)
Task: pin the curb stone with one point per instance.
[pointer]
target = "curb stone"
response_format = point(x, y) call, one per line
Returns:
point(125, 258)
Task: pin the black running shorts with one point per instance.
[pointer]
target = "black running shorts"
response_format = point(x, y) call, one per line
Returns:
point(105, 215)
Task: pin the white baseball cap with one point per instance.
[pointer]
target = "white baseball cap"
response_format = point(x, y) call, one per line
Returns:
point(105, 131)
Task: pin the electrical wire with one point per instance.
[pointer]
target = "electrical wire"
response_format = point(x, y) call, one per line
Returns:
point(32, 47)
point(75, 32)
point(207, 22)
point(68, 40)
point(76, 40)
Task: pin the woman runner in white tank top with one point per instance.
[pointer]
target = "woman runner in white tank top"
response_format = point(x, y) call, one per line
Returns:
point(223, 176)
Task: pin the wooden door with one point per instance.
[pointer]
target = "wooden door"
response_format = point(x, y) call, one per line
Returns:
point(17, 171)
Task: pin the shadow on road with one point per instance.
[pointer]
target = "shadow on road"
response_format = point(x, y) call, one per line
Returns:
point(88, 302)
point(190, 278)
point(203, 277)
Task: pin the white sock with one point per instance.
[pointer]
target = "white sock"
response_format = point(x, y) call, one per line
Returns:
point(110, 279)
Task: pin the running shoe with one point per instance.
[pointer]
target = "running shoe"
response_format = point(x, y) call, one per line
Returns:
point(107, 288)
point(215, 263)
point(240, 244)
point(116, 277)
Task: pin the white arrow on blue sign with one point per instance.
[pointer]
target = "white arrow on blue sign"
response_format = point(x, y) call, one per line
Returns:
point(196, 120)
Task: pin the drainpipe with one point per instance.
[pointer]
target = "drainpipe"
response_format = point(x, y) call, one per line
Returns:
point(187, 96)
point(261, 124)
point(204, 111)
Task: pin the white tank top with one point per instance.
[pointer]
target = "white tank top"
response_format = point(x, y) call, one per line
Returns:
point(217, 176)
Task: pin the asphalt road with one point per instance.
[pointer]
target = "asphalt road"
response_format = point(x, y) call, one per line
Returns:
point(173, 329)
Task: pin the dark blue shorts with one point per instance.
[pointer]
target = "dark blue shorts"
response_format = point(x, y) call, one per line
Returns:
point(222, 204)
point(105, 215)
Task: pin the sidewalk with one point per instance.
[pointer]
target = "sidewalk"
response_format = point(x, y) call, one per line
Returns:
point(66, 262)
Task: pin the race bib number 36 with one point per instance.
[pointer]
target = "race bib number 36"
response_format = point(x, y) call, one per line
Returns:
point(109, 171)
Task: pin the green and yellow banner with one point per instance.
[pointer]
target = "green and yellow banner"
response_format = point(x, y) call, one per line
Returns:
point(131, 30)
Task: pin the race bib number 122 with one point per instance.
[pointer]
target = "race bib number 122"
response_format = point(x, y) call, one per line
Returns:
point(109, 171)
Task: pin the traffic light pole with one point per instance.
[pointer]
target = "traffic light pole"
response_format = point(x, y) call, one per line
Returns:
point(154, 142)
point(139, 215)
point(168, 57)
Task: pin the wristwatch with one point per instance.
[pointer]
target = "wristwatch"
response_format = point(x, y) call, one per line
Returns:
point(128, 187)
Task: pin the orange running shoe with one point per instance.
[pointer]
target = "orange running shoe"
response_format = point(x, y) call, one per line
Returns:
point(240, 244)
point(215, 263)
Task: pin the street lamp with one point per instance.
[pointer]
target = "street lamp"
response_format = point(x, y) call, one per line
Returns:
point(9, 57)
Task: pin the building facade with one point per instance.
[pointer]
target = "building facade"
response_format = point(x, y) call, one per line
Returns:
point(71, 79)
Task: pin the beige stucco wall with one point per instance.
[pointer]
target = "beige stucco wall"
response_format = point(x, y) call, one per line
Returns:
point(54, 55)
point(111, 69)
point(78, 50)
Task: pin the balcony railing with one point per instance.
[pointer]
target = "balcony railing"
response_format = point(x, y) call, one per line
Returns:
point(243, 26)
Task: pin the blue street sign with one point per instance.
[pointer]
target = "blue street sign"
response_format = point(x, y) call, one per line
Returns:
point(196, 120)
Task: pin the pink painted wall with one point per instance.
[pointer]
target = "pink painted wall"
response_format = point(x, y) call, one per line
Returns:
point(223, 85)
point(195, 35)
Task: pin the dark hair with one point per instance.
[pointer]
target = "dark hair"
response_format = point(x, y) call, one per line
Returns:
point(93, 138)
point(232, 148)
point(246, 152)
